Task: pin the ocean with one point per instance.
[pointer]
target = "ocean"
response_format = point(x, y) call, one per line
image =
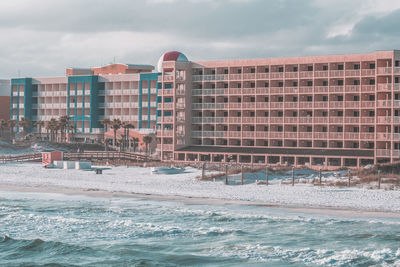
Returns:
point(46, 229)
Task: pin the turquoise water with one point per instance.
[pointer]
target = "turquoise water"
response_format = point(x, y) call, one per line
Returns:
point(39, 229)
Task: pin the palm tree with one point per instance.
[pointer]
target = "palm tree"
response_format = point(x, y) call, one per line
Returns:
point(116, 124)
point(12, 124)
point(3, 125)
point(24, 123)
point(71, 130)
point(135, 142)
point(126, 127)
point(105, 123)
point(39, 125)
point(63, 122)
point(147, 140)
point(53, 127)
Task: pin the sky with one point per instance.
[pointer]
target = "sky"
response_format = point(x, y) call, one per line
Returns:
point(41, 38)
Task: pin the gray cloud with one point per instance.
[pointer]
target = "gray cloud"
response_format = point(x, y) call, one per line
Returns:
point(43, 37)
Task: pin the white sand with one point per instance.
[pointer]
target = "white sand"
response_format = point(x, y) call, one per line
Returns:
point(139, 181)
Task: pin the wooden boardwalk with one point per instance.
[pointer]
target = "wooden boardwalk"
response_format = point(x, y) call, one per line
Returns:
point(21, 157)
point(109, 155)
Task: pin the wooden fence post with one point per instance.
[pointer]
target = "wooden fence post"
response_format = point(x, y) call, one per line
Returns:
point(226, 174)
point(349, 179)
point(242, 174)
point(203, 171)
point(379, 179)
point(293, 176)
point(320, 176)
point(266, 175)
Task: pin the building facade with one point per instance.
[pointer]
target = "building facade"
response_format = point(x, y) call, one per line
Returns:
point(117, 91)
point(340, 110)
point(5, 99)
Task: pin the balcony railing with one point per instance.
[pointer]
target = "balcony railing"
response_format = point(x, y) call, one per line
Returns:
point(385, 70)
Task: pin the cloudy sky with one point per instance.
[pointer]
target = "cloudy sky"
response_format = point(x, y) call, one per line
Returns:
point(42, 37)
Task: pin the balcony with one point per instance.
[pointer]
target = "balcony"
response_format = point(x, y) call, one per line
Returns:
point(233, 134)
point(321, 74)
point(235, 105)
point(248, 134)
point(262, 76)
point(352, 136)
point(249, 91)
point(262, 120)
point(276, 105)
point(277, 135)
point(321, 105)
point(235, 77)
point(262, 90)
point(291, 75)
point(261, 134)
point(291, 105)
point(305, 135)
point(249, 76)
point(352, 88)
point(368, 120)
point(276, 90)
point(235, 91)
point(167, 133)
point(336, 73)
point(384, 103)
point(250, 105)
point(306, 74)
point(320, 135)
point(276, 75)
point(291, 90)
point(336, 89)
point(249, 120)
point(306, 89)
point(236, 120)
point(336, 135)
point(368, 72)
point(278, 120)
point(336, 104)
point(321, 89)
point(352, 104)
point(385, 70)
point(352, 120)
point(384, 136)
point(306, 105)
point(383, 152)
point(353, 73)
point(291, 120)
point(367, 136)
point(368, 88)
point(262, 105)
point(322, 120)
point(336, 120)
point(291, 135)
point(368, 104)
point(307, 120)
point(384, 86)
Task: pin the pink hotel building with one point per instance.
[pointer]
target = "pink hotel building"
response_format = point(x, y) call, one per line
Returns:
point(339, 110)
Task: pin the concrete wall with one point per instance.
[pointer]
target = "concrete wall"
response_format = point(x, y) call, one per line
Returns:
point(5, 107)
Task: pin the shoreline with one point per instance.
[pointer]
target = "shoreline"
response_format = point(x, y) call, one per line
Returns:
point(322, 210)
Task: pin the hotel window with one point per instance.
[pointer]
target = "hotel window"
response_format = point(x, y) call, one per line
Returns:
point(212, 100)
point(324, 83)
point(280, 69)
point(371, 97)
point(252, 85)
point(396, 146)
point(266, 99)
point(396, 96)
point(212, 72)
point(226, 85)
point(212, 86)
point(339, 98)
point(265, 128)
point(252, 114)
point(280, 99)
point(309, 129)
point(266, 70)
point(325, 67)
point(396, 79)
point(212, 114)
point(266, 84)
point(309, 144)
point(295, 84)
point(324, 114)
point(372, 81)
point(372, 113)
point(340, 113)
point(370, 145)
point(294, 129)
point(252, 99)
point(309, 68)
point(280, 113)
point(279, 143)
point(356, 66)
point(225, 100)
point(371, 129)
point(266, 114)
point(280, 128)
point(356, 129)
point(339, 129)
point(239, 71)
point(226, 71)
point(325, 98)
point(356, 98)
point(309, 83)
point(355, 145)
point(372, 66)
point(324, 144)
point(239, 85)
point(225, 114)
point(294, 114)
point(225, 128)
point(295, 99)
point(340, 67)
point(280, 84)
point(340, 82)
point(356, 113)
point(339, 144)
point(309, 98)
point(239, 114)
point(324, 129)
point(239, 100)
point(356, 82)
point(397, 63)
point(295, 69)
point(238, 128)
point(251, 128)
point(265, 143)
point(309, 113)
point(252, 70)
